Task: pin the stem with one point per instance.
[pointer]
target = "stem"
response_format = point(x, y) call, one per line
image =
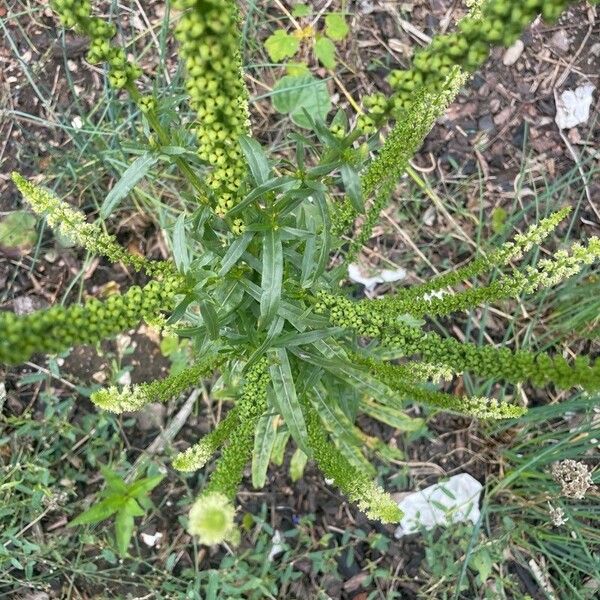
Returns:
point(165, 140)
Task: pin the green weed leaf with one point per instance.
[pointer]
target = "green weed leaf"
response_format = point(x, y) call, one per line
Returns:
point(100, 511)
point(257, 160)
point(180, 250)
point(325, 52)
point(143, 486)
point(281, 45)
point(352, 186)
point(294, 94)
point(123, 531)
point(336, 27)
point(297, 464)
point(114, 482)
point(234, 252)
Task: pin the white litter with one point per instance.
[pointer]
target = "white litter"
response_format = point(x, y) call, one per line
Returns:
point(277, 547)
point(151, 540)
point(358, 275)
point(453, 501)
point(573, 106)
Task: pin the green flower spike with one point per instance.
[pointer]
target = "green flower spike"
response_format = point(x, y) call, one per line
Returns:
point(216, 525)
point(490, 23)
point(72, 224)
point(59, 328)
point(76, 14)
point(132, 398)
point(373, 500)
point(209, 36)
point(479, 407)
point(199, 454)
point(212, 519)
point(508, 252)
point(402, 142)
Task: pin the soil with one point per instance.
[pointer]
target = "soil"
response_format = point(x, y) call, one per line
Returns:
point(501, 125)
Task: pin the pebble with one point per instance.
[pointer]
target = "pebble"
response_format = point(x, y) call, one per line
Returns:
point(486, 123)
point(152, 417)
point(560, 41)
point(512, 54)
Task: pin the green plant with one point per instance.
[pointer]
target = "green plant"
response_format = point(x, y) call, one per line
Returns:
point(251, 285)
point(125, 500)
point(281, 45)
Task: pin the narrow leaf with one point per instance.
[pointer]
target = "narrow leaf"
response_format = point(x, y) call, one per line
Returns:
point(211, 320)
point(180, 249)
point(114, 482)
point(285, 397)
point(133, 508)
point(234, 252)
point(100, 511)
point(308, 258)
point(352, 187)
point(264, 438)
point(272, 276)
point(123, 531)
point(281, 440)
point(297, 464)
point(143, 486)
point(257, 160)
point(136, 170)
point(325, 237)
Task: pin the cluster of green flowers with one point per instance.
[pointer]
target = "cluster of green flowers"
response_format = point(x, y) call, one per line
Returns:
point(196, 456)
point(72, 224)
point(59, 328)
point(394, 333)
point(398, 377)
point(370, 497)
point(211, 517)
point(131, 398)
point(402, 143)
point(494, 22)
point(210, 46)
point(546, 273)
point(77, 14)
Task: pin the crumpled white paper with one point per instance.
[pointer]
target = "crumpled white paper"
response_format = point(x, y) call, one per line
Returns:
point(573, 106)
point(452, 501)
point(357, 274)
point(277, 548)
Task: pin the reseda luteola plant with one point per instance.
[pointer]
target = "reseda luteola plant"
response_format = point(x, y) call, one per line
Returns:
point(261, 303)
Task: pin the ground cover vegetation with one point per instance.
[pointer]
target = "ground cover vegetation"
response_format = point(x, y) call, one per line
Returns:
point(251, 286)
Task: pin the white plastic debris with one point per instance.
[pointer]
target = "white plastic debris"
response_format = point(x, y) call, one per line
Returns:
point(453, 501)
point(151, 540)
point(277, 547)
point(358, 275)
point(573, 106)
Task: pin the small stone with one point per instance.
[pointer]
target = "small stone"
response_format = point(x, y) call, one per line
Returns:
point(560, 41)
point(486, 123)
point(25, 305)
point(512, 54)
point(151, 417)
point(502, 117)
